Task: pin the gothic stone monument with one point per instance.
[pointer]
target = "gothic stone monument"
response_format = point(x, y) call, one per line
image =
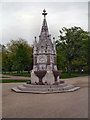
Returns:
point(44, 58)
point(44, 76)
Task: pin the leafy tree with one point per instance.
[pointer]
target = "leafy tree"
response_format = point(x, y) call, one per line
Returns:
point(21, 54)
point(79, 64)
point(6, 61)
point(61, 62)
point(2, 48)
point(72, 44)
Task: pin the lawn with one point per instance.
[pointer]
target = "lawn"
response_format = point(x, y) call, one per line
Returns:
point(12, 80)
point(4, 77)
point(65, 75)
point(17, 74)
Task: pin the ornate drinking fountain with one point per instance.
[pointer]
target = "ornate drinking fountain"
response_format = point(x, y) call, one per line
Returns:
point(40, 74)
point(45, 76)
point(56, 74)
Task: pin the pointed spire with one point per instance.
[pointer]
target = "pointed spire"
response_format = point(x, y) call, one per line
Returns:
point(45, 37)
point(44, 25)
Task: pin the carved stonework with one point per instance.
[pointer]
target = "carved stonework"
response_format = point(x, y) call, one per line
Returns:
point(42, 59)
point(44, 54)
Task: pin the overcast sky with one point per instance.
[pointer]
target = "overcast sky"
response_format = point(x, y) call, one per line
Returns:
point(24, 19)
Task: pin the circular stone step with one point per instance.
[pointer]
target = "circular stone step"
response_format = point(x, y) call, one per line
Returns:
point(28, 88)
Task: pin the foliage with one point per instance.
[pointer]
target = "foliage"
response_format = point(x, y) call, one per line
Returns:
point(6, 61)
point(61, 62)
point(2, 48)
point(89, 53)
point(18, 56)
point(72, 45)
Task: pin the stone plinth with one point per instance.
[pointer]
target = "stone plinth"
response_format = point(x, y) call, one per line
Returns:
point(45, 89)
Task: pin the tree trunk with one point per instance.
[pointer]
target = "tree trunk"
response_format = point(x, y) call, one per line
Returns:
point(69, 68)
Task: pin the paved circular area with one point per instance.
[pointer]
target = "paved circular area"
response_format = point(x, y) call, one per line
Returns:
point(59, 105)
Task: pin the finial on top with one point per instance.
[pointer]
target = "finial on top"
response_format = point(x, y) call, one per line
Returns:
point(53, 38)
point(35, 37)
point(44, 13)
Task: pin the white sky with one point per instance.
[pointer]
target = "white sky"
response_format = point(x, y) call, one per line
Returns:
point(24, 19)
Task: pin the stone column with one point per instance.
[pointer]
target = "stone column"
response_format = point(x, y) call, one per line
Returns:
point(35, 60)
point(55, 61)
point(48, 60)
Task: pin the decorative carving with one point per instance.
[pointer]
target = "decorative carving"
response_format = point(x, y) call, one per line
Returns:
point(52, 59)
point(41, 59)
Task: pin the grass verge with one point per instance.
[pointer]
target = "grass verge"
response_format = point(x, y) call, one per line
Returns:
point(18, 74)
point(12, 81)
point(4, 77)
point(65, 75)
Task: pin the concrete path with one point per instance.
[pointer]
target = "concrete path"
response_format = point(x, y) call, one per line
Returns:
point(14, 77)
point(59, 105)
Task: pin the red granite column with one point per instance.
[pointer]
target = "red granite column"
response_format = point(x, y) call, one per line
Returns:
point(48, 60)
point(55, 61)
point(35, 60)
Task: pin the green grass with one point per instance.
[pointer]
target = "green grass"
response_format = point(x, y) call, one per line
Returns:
point(65, 75)
point(18, 74)
point(12, 81)
point(4, 77)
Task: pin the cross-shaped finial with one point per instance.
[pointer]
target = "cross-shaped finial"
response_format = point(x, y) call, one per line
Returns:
point(44, 13)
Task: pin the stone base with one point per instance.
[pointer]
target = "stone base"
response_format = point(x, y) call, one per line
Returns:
point(48, 78)
point(45, 89)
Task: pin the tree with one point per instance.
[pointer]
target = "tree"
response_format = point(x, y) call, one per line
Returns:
point(89, 52)
point(6, 61)
point(72, 44)
point(2, 48)
point(61, 61)
point(21, 54)
point(80, 64)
